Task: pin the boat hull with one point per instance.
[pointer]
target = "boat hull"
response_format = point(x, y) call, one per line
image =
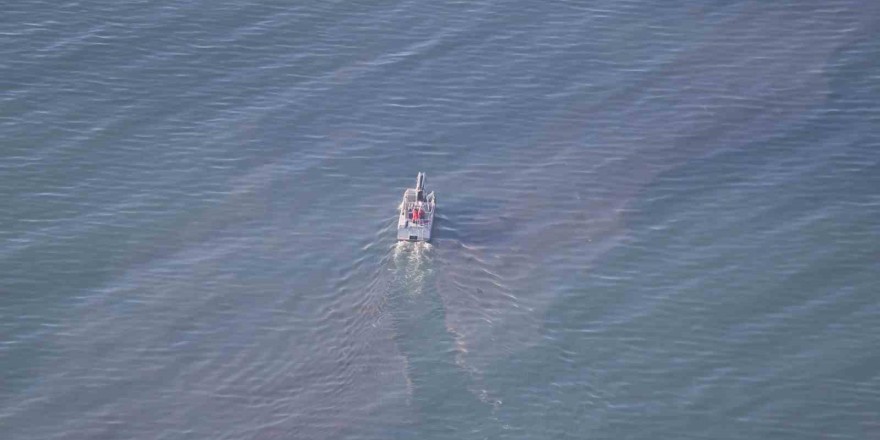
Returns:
point(415, 221)
point(409, 231)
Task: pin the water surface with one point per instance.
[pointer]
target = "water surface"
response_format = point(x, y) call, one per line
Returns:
point(654, 222)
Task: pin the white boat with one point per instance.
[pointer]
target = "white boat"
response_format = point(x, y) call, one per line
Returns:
point(416, 218)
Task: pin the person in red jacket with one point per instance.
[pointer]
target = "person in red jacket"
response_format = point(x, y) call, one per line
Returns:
point(417, 214)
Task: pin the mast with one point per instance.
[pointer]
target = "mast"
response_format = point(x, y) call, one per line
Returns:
point(420, 187)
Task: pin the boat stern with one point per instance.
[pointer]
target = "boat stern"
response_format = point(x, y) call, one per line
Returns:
point(409, 231)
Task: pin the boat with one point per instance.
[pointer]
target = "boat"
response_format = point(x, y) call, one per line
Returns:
point(416, 219)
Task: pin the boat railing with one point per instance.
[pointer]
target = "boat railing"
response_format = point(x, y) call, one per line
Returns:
point(419, 222)
point(427, 207)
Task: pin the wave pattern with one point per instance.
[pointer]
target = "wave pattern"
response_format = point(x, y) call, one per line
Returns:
point(652, 222)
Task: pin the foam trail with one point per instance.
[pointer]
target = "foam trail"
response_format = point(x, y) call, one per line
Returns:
point(430, 346)
point(412, 265)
